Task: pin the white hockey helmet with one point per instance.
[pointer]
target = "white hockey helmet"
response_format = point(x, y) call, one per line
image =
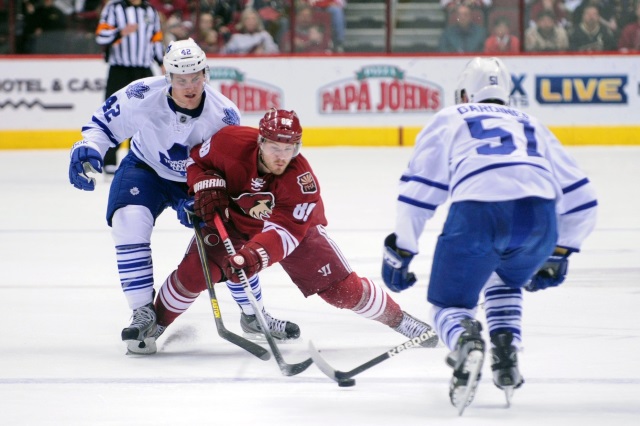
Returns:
point(184, 57)
point(482, 79)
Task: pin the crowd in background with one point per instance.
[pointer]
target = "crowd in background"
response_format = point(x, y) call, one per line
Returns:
point(492, 26)
point(264, 26)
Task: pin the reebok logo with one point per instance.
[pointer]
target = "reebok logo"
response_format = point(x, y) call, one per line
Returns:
point(416, 341)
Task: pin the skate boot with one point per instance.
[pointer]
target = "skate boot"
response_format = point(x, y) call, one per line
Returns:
point(280, 329)
point(139, 336)
point(506, 375)
point(466, 361)
point(413, 328)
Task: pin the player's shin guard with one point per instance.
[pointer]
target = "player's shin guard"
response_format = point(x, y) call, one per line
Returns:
point(173, 299)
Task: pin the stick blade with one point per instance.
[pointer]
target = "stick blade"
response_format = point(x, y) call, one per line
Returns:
point(322, 364)
point(293, 369)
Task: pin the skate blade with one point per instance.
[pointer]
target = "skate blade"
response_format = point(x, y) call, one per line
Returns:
point(260, 338)
point(473, 365)
point(145, 347)
point(508, 393)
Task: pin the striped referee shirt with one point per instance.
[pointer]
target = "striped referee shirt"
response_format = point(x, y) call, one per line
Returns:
point(137, 49)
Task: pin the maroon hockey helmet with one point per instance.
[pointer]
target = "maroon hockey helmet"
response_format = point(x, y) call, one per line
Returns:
point(280, 125)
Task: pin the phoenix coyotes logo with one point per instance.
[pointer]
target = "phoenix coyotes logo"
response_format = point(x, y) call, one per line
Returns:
point(258, 205)
point(307, 183)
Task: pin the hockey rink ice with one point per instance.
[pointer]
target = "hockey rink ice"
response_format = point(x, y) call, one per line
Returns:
point(62, 310)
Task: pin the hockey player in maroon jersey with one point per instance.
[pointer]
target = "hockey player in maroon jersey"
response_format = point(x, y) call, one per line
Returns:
point(258, 182)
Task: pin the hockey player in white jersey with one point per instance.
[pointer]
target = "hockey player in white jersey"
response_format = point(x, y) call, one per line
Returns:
point(164, 117)
point(519, 207)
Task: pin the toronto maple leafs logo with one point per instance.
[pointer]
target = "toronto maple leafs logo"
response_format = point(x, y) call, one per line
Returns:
point(307, 183)
point(231, 117)
point(176, 159)
point(137, 90)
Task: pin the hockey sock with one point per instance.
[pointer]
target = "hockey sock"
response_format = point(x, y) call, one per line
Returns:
point(448, 323)
point(173, 299)
point(503, 308)
point(365, 298)
point(238, 294)
point(135, 268)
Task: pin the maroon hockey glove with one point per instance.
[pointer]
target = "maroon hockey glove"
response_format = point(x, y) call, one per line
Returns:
point(252, 258)
point(211, 197)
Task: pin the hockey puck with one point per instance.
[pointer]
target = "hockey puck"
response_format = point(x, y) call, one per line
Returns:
point(345, 383)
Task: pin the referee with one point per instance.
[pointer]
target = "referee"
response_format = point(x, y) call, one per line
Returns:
point(131, 34)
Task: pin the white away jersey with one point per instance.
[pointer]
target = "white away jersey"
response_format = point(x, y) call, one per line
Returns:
point(161, 135)
point(490, 152)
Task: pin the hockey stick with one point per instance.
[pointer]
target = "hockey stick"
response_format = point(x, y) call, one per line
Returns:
point(344, 378)
point(285, 368)
point(247, 345)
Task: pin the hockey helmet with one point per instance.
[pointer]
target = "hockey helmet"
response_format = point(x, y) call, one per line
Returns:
point(280, 125)
point(483, 79)
point(184, 57)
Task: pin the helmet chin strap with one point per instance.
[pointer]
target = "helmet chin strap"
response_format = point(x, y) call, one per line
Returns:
point(262, 166)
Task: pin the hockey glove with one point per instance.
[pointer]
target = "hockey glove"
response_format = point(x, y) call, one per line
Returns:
point(395, 266)
point(551, 274)
point(185, 211)
point(252, 258)
point(84, 159)
point(211, 197)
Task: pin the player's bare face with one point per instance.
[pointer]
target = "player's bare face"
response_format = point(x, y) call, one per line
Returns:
point(276, 156)
point(187, 89)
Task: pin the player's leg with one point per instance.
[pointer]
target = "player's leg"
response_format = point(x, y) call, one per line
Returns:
point(464, 259)
point(131, 212)
point(317, 266)
point(532, 238)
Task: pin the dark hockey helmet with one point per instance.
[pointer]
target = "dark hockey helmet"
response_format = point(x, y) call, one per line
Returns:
point(280, 125)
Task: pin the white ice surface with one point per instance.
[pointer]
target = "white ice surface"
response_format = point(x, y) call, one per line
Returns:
point(62, 361)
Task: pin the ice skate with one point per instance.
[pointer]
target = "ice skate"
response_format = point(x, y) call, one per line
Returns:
point(139, 336)
point(280, 329)
point(506, 375)
point(466, 361)
point(414, 328)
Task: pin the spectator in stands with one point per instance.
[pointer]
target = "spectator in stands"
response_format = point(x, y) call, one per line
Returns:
point(175, 28)
point(335, 8)
point(170, 8)
point(226, 15)
point(590, 35)
point(40, 19)
point(273, 15)
point(501, 40)
point(556, 7)
point(464, 35)
point(630, 38)
point(211, 42)
point(547, 35)
point(206, 22)
point(451, 5)
point(606, 10)
point(309, 37)
point(252, 38)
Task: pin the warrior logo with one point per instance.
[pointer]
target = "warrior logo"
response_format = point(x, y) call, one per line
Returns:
point(137, 90)
point(307, 183)
point(259, 205)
